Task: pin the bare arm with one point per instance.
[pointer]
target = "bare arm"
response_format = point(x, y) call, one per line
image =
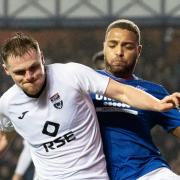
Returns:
point(176, 132)
point(140, 99)
point(17, 177)
point(23, 163)
point(5, 139)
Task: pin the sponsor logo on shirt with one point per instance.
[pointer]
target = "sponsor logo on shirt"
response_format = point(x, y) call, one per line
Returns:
point(111, 105)
point(56, 100)
point(52, 129)
point(59, 142)
point(110, 102)
point(140, 87)
point(23, 114)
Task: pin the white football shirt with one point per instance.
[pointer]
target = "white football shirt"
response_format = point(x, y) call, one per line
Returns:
point(60, 126)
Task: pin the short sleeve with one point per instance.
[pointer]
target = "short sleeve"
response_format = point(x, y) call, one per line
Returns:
point(5, 123)
point(87, 79)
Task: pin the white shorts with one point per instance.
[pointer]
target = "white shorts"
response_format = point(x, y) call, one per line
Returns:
point(160, 174)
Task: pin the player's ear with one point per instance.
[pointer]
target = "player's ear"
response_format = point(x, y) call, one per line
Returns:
point(139, 49)
point(42, 58)
point(5, 69)
point(104, 44)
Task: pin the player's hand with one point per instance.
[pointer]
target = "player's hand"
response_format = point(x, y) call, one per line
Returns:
point(170, 102)
point(17, 177)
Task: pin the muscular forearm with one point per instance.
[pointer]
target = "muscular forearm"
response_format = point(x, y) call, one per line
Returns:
point(138, 98)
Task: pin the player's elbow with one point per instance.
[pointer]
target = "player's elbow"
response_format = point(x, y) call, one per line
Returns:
point(5, 140)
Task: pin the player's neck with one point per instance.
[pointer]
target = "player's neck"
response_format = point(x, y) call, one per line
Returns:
point(127, 77)
point(122, 76)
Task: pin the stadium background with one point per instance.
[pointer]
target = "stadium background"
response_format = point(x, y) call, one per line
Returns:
point(73, 30)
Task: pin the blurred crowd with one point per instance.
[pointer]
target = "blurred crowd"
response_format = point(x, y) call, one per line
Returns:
point(161, 71)
point(160, 63)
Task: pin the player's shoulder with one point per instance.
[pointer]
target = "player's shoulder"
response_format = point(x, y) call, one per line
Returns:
point(12, 92)
point(65, 69)
point(140, 83)
point(150, 86)
point(136, 81)
point(8, 96)
point(149, 83)
point(65, 66)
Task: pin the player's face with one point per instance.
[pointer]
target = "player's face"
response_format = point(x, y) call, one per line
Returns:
point(27, 71)
point(121, 51)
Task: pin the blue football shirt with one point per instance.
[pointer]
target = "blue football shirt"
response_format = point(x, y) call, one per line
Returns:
point(128, 146)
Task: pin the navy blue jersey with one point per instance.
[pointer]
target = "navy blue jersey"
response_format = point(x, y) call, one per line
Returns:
point(128, 145)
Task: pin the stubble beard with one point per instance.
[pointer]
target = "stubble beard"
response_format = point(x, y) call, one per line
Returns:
point(121, 71)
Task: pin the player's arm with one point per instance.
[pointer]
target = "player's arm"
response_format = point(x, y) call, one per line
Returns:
point(5, 139)
point(176, 132)
point(23, 163)
point(17, 177)
point(140, 99)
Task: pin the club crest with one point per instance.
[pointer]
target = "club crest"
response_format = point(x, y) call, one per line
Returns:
point(56, 100)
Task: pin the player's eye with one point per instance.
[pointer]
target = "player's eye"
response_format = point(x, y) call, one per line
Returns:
point(34, 68)
point(19, 73)
point(111, 45)
point(129, 46)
